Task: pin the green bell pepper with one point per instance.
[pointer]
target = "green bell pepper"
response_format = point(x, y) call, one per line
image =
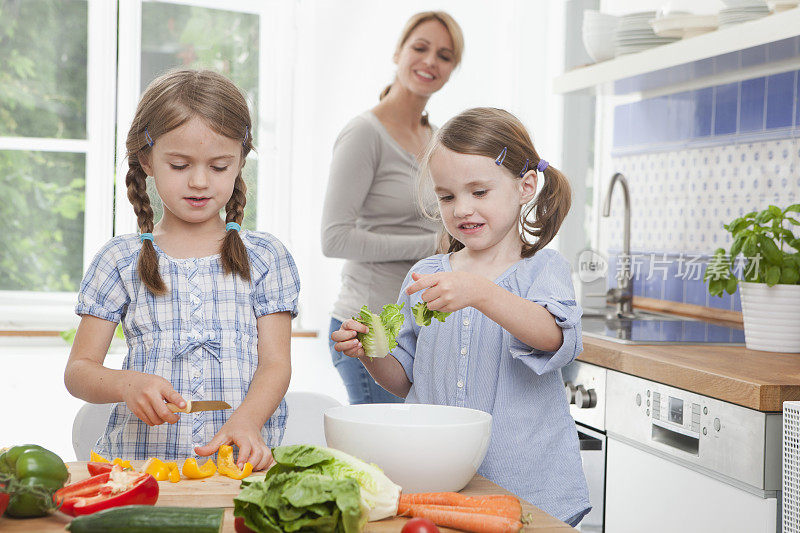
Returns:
point(31, 474)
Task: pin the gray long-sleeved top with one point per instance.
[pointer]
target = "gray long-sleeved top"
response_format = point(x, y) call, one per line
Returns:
point(370, 216)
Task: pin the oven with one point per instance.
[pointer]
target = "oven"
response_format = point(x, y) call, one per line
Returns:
point(585, 387)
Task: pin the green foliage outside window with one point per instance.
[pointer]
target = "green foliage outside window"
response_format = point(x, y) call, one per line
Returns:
point(42, 94)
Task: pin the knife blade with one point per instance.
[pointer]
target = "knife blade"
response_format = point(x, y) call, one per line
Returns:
point(201, 405)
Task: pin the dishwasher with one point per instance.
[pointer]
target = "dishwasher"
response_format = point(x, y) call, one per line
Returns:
point(678, 461)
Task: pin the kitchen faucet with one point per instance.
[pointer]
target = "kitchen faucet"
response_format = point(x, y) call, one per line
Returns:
point(622, 295)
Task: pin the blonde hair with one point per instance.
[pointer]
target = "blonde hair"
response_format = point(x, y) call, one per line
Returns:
point(486, 131)
point(170, 101)
point(449, 24)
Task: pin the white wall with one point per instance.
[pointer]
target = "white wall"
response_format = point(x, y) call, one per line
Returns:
point(513, 48)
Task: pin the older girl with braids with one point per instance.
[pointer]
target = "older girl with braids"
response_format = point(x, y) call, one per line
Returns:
point(514, 322)
point(205, 306)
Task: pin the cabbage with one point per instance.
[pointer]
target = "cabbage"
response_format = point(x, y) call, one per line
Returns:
point(378, 494)
point(423, 315)
point(383, 329)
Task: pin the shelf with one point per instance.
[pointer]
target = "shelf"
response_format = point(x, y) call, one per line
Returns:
point(758, 32)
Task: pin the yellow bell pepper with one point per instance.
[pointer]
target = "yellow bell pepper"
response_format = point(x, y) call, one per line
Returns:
point(193, 471)
point(227, 467)
point(156, 468)
point(96, 458)
point(174, 473)
point(122, 464)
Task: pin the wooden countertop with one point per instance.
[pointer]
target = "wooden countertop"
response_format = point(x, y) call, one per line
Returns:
point(219, 491)
point(754, 379)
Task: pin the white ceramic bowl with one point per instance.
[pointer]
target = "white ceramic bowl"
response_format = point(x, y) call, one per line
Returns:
point(422, 448)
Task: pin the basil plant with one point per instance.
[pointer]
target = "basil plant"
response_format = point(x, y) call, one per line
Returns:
point(770, 250)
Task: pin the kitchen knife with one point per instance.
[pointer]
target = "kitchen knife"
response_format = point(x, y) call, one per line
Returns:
point(202, 405)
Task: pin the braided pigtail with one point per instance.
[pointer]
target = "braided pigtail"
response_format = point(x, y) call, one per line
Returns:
point(234, 255)
point(135, 180)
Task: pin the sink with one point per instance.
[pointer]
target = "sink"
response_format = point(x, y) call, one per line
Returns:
point(647, 327)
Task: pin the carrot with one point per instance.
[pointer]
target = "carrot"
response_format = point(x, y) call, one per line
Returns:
point(507, 502)
point(473, 522)
point(405, 510)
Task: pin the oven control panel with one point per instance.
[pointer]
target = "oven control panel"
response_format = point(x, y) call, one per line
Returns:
point(725, 438)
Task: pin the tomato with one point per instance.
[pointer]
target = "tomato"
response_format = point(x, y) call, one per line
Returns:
point(239, 527)
point(419, 525)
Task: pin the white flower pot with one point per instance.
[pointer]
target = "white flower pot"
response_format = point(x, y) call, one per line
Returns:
point(771, 317)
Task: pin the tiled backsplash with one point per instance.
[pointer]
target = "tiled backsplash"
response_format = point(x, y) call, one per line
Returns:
point(695, 161)
point(750, 110)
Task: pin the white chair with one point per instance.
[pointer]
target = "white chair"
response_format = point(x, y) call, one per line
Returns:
point(89, 424)
point(304, 422)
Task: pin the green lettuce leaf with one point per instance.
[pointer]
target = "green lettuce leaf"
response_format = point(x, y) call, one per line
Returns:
point(383, 329)
point(301, 500)
point(378, 494)
point(423, 315)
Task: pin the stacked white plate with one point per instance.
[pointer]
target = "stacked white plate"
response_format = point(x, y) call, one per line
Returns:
point(598, 34)
point(634, 34)
point(683, 26)
point(739, 11)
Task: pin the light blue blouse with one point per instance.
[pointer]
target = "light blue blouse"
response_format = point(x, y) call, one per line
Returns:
point(201, 337)
point(470, 361)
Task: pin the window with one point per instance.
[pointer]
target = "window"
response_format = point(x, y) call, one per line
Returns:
point(65, 108)
point(43, 144)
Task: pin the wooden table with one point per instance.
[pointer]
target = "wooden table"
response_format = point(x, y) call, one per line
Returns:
point(219, 491)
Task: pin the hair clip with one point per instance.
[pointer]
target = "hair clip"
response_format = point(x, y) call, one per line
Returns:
point(524, 170)
point(501, 157)
point(542, 165)
point(246, 133)
point(150, 141)
point(232, 225)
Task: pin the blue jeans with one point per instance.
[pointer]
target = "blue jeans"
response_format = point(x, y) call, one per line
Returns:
point(361, 388)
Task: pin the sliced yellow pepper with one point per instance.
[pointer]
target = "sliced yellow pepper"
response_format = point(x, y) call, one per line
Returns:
point(193, 471)
point(174, 473)
point(122, 464)
point(227, 467)
point(156, 468)
point(96, 458)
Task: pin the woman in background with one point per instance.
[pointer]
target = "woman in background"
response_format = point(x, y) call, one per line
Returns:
point(370, 216)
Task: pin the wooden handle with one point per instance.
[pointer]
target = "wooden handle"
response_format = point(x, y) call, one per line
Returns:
point(175, 409)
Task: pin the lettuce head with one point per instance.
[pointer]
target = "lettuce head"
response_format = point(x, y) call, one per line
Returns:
point(379, 496)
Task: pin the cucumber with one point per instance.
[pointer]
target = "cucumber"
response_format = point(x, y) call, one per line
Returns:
point(149, 519)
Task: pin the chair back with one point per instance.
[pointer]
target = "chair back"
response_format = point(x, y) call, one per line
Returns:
point(304, 422)
point(88, 426)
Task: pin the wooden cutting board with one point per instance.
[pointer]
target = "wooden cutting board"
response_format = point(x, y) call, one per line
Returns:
point(219, 491)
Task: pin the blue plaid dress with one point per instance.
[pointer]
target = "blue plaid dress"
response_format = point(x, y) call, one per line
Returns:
point(202, 337)
point(470, 361)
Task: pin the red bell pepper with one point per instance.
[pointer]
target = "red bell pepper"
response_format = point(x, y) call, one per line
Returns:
point(4, 497)
point(96, 468)
point(103, 491)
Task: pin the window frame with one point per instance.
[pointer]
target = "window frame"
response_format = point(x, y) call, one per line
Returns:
point(113, 80)
point(37, 309)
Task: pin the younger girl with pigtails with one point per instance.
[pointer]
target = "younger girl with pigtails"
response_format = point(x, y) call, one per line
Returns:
point(514, 321)
point(205, 306)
